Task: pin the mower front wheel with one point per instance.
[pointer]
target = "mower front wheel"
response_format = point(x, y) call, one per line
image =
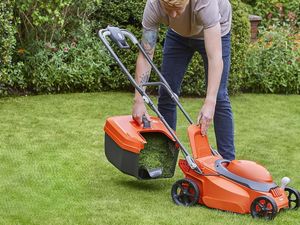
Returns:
point(293, 197)
point(264, 207)
point(185, 192)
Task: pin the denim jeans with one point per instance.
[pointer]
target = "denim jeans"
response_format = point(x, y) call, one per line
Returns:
point(177, 54)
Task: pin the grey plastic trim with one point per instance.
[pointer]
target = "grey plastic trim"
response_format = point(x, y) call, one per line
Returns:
point(257, 186)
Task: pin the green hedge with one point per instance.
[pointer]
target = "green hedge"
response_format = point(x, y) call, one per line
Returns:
point(9, 71)
point(58, 47)
point(273, 63)
point(240, 43)
point(68, 67)
point(51, 47)
point(7, 32)
point(58, 50)
point(278, 12)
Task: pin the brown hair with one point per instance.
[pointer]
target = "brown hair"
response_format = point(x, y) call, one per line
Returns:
point(176, 3)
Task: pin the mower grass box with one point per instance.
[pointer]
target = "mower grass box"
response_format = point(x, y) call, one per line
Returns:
point(144, 153)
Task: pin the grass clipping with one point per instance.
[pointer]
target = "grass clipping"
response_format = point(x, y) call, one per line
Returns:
point(159, 152)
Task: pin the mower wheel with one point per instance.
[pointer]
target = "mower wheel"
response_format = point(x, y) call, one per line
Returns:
point(264, 207)
point(293, 197)
point(185, 192)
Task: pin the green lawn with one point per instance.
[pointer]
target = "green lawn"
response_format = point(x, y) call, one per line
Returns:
point(53, 168)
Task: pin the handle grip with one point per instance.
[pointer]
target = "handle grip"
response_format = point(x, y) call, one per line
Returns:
point(118, 37)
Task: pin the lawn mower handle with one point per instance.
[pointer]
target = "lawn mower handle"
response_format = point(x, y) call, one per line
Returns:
point(119, 36)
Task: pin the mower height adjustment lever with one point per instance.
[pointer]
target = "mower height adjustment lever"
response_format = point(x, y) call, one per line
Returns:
point(192, 164)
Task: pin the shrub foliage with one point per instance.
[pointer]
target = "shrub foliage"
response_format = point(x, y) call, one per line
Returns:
point(52, 46)
point(273, 63)
point(278, 12)
point(9, 70)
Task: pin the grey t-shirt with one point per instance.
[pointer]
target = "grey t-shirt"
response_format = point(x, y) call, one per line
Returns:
point(197, 16)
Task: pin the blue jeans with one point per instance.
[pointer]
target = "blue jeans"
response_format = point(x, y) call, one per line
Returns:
point(178, 52)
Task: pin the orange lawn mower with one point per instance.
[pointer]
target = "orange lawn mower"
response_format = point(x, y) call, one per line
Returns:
point(238, 186)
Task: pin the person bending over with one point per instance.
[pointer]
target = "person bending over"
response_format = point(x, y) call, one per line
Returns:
point(193, 25)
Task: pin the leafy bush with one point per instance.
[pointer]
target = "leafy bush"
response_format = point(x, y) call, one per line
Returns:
point(80, 65)
point(278, 12)
point(58, 45)
point(10, 72)
point(51, 21)
point(112, 12)
point(250, 2)
point(273, 63)
point(240, 43)
point(7, 41)
point(7, 31)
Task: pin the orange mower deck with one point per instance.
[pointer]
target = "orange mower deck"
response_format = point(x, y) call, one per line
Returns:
point(238, 186)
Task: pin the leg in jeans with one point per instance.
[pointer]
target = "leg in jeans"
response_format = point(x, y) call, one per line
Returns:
point(223, 118)
point(176, 57)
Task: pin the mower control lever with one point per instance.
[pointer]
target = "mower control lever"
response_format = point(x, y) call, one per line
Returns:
point(146, 122)
point(117, 36)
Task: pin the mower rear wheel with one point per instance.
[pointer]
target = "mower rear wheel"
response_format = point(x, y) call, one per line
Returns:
point(185, 192)
point(293, 197)
point(264, 207)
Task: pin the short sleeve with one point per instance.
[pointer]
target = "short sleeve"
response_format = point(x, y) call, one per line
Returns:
point(151, 17)
point(207, 13)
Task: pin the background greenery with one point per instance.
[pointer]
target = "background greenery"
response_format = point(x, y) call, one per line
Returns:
point(54, 170)
point(52, 47)
point(9, 70)
point(273, 63)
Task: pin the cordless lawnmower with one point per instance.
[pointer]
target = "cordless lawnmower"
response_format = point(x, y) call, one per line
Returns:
point(238, 186)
